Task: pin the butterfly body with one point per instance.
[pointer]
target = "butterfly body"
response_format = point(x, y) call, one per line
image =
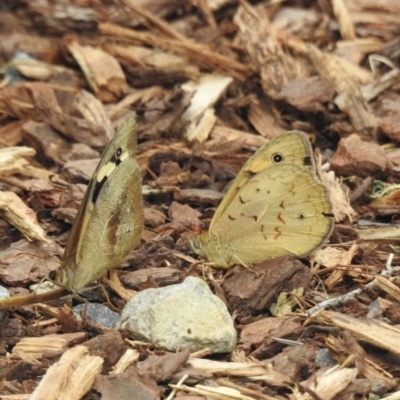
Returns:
point(110, 219)
point(274, 207)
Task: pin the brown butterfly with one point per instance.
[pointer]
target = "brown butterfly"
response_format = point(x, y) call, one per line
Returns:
point(109, 222)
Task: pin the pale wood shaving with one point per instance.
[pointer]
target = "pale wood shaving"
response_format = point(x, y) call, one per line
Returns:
point(36, 346)
point(179, 384)
point(373, 17)
point(339, 195)
point(328, 385)
point(201, 353)
point(115, 284)
point(16, 181)
point(384, 233)
point(47, 322)
point(371, 331)
point(135, 343)
point(384, 303)
point(364, 45)
point(15, 168)
point(246, 391)
point(14, 210)
point(329, 257)
point(22, 355)
point(203, 128)
point(385, 284)
point(393, 396)
point(217, 4)
point(374, 371)
point(373, 89)
point(38, 173)
point(43, 287)
point(375, 59)
point(71, 377)
point(13, 159)
point(206, 91)
point(344, 21)
point(247, 369)
point(220, 393)
point(129, 358)
point(184, 257)
point(39, 70)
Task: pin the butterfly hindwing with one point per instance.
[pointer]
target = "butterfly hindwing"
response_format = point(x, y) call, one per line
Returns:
point(291, 147)
point(110, 220)
point(280, 211)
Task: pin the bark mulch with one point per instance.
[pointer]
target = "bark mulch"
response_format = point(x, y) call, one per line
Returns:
point(208, 82)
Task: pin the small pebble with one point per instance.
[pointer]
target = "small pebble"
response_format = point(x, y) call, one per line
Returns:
point(98, 313)
point(324, 359)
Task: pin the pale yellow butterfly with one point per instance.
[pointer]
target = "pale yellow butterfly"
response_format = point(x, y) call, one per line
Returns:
point(275, 206)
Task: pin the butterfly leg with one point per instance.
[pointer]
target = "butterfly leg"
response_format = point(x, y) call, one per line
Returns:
point(108, 300)
point(82, 299)
point(246, 266)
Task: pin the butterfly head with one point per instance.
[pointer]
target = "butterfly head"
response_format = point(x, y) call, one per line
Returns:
point(195, 244)
point(207, 245)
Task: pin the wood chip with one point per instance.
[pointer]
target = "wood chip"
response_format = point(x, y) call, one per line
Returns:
point(102, 71)
point(258, 36)
point(13, 159)
point(71, 377)
point(370, 331)
point(35, 347)
point(345, 24)
point(14, 210)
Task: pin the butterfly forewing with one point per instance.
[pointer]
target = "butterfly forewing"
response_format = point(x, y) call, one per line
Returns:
point(289, 148)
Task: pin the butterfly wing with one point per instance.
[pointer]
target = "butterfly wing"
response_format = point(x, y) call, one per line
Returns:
point(291, 147)
point(110, 219)
point(282, 210)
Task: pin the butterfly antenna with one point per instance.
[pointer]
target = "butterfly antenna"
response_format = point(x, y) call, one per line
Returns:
point(179, 224)
point(45, 277)
point(41, 257)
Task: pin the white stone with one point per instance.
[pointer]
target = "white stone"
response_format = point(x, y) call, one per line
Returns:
point(4, 294)
point(178, 316)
